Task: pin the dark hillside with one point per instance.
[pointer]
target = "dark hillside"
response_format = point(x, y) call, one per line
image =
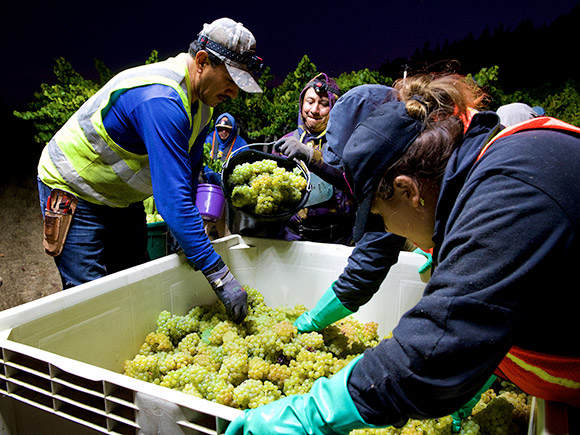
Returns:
point(527, 56)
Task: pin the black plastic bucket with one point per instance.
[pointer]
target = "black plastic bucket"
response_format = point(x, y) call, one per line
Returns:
point(245, 222)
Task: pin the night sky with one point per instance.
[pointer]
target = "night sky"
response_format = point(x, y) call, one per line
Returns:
point(360, 34)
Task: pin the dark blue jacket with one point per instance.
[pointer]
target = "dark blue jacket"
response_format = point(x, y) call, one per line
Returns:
point(377, 251)
point(506, 234)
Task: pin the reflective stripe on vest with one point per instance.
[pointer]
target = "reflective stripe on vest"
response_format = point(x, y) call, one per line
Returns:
point(549, 377)
point(92, 164)
point(216, 153)
point(531, 124)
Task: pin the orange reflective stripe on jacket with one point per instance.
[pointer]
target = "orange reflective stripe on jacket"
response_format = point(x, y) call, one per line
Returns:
point(215, 150)
point(549, 377)
point(466, 119)
point(534, 123)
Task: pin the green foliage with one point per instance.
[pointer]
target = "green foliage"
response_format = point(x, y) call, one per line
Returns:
point(267, 116)
point(564, 104)
point(487, 79)
point(561, 102)
point(347, 81)
point(54, 104)
point(153, 57)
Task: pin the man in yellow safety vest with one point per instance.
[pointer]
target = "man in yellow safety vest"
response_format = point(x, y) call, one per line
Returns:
point(143, 134)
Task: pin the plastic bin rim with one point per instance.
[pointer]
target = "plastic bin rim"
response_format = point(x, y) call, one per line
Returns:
point(156, 224)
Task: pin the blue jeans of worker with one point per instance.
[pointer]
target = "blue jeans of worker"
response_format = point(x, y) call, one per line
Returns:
point(101, 240)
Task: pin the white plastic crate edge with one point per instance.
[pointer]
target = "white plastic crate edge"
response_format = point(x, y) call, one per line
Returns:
point(143, 392)
point(32, 310)
point(22, 314)
point(98, 374)
point(55, 302)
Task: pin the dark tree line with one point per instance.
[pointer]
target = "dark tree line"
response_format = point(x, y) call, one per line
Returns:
point(528, 57)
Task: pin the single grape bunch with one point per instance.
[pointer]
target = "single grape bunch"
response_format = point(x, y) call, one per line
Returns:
point(265, 188)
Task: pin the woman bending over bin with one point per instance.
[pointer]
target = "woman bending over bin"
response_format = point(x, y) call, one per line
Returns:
point(501, 210)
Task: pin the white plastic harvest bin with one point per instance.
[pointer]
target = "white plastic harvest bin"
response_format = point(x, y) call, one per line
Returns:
point(61, 357)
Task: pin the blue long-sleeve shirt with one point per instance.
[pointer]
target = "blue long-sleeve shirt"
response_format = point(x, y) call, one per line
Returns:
point(152, 120)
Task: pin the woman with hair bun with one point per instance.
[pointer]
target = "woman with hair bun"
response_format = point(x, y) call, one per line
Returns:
point(500, 207)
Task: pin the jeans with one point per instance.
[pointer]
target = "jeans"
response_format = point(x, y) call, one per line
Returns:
point(101, 240)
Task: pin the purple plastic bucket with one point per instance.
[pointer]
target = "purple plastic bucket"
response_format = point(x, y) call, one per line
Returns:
point(210, 201)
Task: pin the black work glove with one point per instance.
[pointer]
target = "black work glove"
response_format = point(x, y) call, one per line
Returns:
point(293, 148)
point(229, 291)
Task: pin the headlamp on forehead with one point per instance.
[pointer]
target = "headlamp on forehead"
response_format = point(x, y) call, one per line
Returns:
point(320, 84)
point(254, 63)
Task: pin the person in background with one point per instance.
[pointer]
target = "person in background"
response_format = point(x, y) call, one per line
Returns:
point(328, 215)
point(375, 250)
point(143, 134)
point(500, 208)
point(222, 142)
point(514, 113)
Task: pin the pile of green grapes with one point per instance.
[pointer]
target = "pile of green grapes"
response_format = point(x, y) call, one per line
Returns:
point(502, 410)
point(248, 364)
point(265, 188)
point(264, 358)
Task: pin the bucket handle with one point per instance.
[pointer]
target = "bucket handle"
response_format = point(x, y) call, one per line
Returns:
point(241, 148)
point(300, 162)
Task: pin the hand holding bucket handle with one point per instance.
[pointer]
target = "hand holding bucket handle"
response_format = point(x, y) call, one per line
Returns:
point(294, 149)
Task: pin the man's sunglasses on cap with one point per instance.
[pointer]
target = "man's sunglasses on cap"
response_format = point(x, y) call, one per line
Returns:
point(254, 63)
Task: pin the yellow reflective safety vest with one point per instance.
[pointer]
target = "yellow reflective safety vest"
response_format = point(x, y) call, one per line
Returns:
point(82, 158)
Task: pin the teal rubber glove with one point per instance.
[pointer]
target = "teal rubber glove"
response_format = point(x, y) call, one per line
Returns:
point(328, 310)
point(326, 409)
point(426, 268)
point(465, 410)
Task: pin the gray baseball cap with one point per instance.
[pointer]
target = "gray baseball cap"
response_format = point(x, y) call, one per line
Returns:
point(235, 45)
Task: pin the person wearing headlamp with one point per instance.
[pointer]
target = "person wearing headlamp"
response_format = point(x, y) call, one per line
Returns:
point(143, 134)
point(328, 215)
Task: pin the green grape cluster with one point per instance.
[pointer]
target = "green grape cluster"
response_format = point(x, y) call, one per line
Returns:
point(264, 358)
point(249, 364)
point(153, 217)
point(502, 412)
point(214, 165)
point(265, 188)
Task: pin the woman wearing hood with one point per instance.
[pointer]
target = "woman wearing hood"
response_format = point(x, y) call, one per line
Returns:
point(222, 141)
point(329, 214)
